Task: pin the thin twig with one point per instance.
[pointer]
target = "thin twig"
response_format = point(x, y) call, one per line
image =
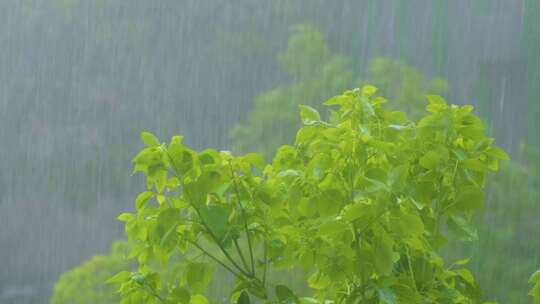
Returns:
point(265, 256)
point(240, 253)
point(236, 274)
point(245, 219)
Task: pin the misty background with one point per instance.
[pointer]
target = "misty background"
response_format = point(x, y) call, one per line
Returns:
point(80, 79)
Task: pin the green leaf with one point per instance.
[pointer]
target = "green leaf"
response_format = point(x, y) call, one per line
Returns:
point(217, 219)
point(466, 275)
point(462, 261)
point(318, 281)
point(469, 198)
point(284, 293)
point(462, 229)
point(430, 160)
point(142, 198)
point(411, 224)
point(535, 277)
point(120, 277)
point(167, 221)
point(436, 104)
point(180, 295)
point(177, 139)
point(398, 177)
point(475, 165)
point(384, 255)
point(369, 90)
point(149, 139)
point(359, 210)
point(198, 276)
point(337, 100)
point(126, 217)
point(243, 299)
point(254, 159)
point(497, 153)
point(258, 291)
point(198, 299)
point(309, 115)
point(375, 185)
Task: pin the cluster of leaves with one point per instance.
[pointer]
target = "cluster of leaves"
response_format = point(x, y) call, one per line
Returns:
point(361, 204)
point(86, 283)
point(318, 74)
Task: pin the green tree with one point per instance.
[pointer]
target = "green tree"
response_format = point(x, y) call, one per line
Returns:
point(361, 203)
point(86, 282)
point(317, 74)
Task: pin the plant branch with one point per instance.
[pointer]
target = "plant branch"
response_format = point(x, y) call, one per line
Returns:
point(265, 262)
point(236, 274)
point(240, 253)
point(154, 293)
point(207, 228)
point(233, 176)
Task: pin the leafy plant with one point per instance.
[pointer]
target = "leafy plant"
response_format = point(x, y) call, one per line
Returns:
point(361, 204)
point(86, 283)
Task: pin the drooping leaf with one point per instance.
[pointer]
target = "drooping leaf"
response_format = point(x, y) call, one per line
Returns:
point(198, 276)
point(462, 229)
point(309, 115)
point(283, 293)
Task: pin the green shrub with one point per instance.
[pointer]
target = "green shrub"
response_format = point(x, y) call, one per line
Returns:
point(86, 283)
point(361, 204)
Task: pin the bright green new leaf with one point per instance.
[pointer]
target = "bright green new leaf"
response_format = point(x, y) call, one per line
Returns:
point(198, 299)
point(149, 139)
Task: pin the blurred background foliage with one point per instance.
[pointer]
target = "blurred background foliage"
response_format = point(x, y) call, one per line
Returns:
point(86, 282)
point(316, 75)
point(80, 79)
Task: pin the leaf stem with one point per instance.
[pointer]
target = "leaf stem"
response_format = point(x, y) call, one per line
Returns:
point(233, 176)
point(154, 293)
point(207, 228)
point(240, 253)
point(236, 274)
point(265, 257)
point(411, 270)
